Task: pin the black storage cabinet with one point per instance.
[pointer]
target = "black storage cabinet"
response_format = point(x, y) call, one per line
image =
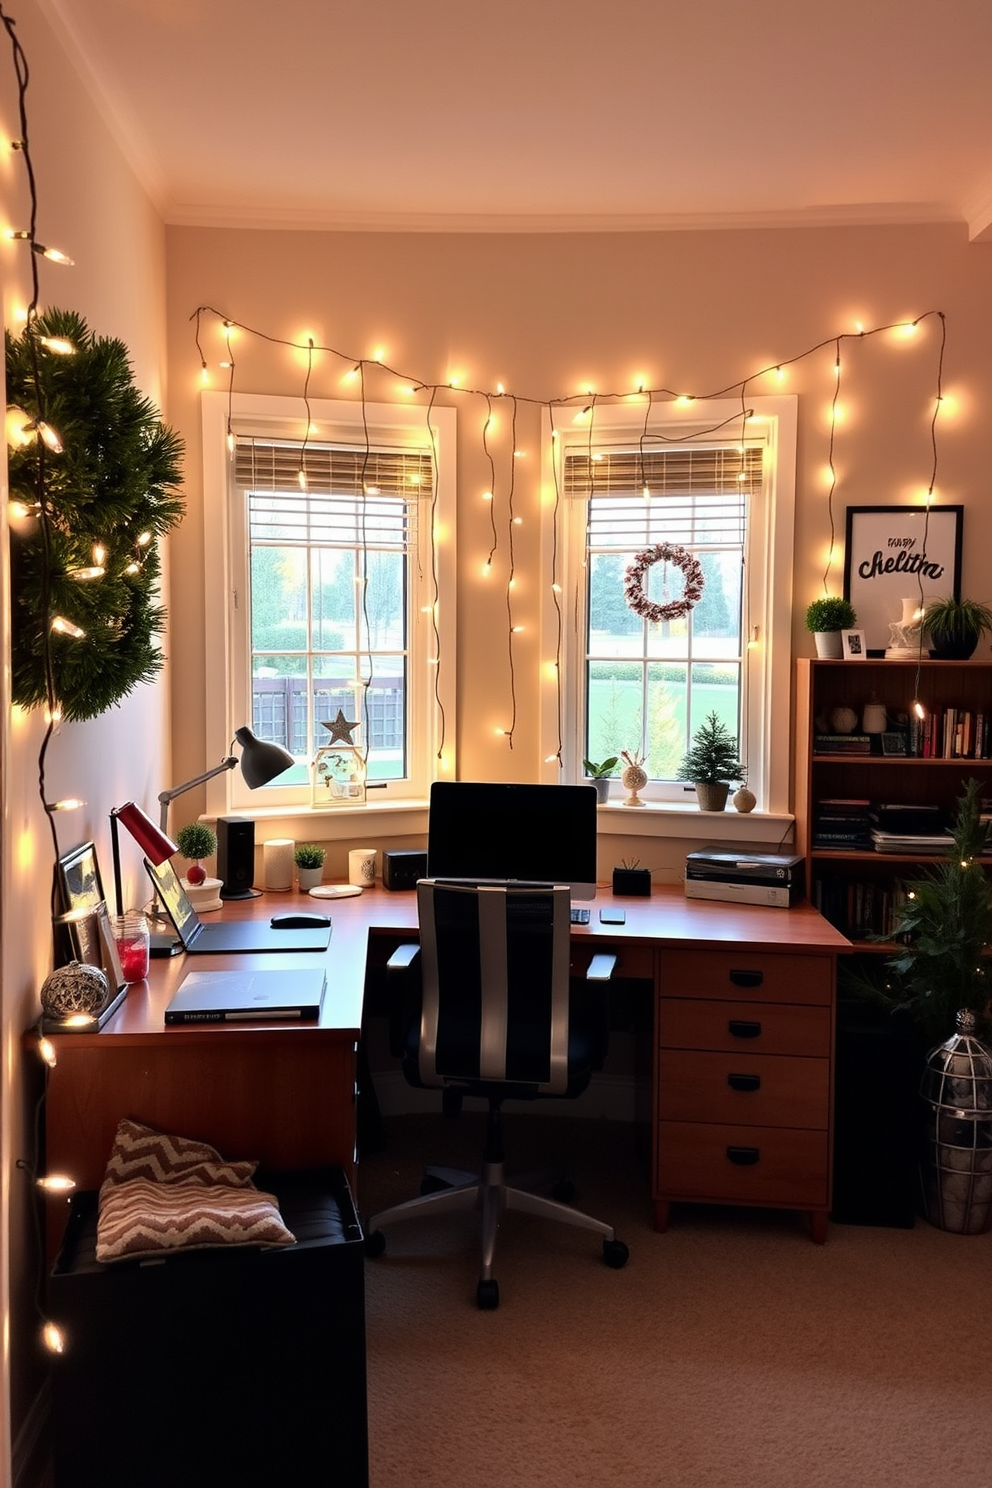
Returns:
point(221, 1366)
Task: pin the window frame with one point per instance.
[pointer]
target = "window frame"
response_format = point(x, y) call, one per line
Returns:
point(767, 691)
point(227, 560)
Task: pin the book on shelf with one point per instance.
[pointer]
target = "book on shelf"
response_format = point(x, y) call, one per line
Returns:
point(842, 744)
point(841, 822)
point(955, 733)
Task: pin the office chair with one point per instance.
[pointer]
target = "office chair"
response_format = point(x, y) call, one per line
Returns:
point(493, 1014)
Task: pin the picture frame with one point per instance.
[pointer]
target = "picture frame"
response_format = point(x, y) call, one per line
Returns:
point(893, 553)
point(853, 644)
point(894, 744)
point(83, 928)
point(79, 879)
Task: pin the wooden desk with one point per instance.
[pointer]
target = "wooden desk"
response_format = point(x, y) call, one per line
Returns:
point(286, 1093)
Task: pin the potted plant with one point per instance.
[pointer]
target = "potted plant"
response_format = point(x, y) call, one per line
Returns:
point(309, 860)
point(196, 841)
point(600, 776)
point(711, 763)
point(825, 619)
point(954, 627)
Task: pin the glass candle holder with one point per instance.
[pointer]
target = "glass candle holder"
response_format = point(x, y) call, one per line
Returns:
point(131, 935)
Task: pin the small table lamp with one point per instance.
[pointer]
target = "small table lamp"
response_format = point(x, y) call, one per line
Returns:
point(155, 845)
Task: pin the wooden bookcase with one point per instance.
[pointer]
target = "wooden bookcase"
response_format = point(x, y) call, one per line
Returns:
point(854, 887)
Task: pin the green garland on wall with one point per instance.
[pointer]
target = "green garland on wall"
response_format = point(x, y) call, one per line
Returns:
point(97, 503)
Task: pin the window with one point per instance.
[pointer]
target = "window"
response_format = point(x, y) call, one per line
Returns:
point(337, 548)
point(720, 487)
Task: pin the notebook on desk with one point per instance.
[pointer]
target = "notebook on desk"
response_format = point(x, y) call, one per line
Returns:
point(238, 996)
point(226, 935)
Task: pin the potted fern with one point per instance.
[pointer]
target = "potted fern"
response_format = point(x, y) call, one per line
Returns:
point(309, 860)
point(712, 763)
point(954, 627)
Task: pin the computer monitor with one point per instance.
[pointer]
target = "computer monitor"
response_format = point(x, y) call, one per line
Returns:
point(537, 833)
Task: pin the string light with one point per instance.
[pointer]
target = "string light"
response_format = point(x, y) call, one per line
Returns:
point(588, 399)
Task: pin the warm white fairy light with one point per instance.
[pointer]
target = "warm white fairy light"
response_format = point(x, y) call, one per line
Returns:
point(65, 627)
point(53, 1338)
point(56, 1183)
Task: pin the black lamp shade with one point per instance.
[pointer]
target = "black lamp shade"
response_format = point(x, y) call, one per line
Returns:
point(261, 761)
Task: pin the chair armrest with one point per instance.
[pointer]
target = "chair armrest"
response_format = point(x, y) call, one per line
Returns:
point(403, 997)
point(600, 968)
point(403, 957)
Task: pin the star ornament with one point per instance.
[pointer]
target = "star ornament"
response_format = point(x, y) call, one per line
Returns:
point(341, 729)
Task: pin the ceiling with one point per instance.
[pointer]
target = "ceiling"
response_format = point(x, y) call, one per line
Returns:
point(546, 114)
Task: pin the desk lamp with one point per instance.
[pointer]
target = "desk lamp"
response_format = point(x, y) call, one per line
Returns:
point(260, 763)
point(155, 845)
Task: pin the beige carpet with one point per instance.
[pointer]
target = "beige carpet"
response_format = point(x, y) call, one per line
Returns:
point(730, 1353)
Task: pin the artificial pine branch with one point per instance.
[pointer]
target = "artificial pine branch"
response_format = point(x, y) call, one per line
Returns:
point(117, 477)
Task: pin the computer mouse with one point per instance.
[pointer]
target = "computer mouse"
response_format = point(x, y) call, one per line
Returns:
point(298, 921)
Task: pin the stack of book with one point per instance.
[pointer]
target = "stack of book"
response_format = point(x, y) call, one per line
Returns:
point(909, 828)
point(842, 743)
point(842, 823)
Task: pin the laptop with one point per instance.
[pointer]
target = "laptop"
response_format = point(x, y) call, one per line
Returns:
point(199, 939)
point(230, 996)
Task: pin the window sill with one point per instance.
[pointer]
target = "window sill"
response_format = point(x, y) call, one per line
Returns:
point(675, 819)
point(341, 824)
point(388, 819)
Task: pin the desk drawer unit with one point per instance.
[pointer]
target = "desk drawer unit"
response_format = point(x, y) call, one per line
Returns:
point(743, 1081)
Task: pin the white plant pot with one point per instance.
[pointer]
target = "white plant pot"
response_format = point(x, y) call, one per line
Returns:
point(309, 878)
point(828, 644)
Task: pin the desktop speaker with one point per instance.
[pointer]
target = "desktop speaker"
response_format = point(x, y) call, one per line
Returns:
point(401, 869)
point(236, 857)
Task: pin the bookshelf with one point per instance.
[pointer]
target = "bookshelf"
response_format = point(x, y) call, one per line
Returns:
point(856, 886)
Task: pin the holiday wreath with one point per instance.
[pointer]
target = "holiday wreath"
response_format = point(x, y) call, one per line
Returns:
point(633, 582)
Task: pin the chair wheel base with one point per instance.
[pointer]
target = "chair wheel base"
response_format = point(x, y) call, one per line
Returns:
point(375, 1244)
point(487, 1295)
point(615, 1254)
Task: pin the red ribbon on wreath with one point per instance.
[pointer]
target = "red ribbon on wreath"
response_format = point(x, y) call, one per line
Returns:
point(633, 582)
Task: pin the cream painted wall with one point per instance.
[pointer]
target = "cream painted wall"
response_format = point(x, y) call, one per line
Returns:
point(90, 205)
point(550, 315)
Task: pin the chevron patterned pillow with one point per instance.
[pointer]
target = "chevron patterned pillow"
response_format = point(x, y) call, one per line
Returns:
point(163, 1193)
point(142, 1152)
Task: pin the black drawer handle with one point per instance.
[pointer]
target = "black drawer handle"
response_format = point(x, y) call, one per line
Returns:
point(743, 1028)
point(744, 1157)
point(747, 978)
point(744, 1082)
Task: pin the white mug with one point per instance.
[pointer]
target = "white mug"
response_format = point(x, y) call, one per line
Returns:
point(361, 866)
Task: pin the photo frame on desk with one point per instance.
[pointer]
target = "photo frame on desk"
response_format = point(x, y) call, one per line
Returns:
point(853, 643)
point(83, 929)
point(892, 553)
point(79, 879)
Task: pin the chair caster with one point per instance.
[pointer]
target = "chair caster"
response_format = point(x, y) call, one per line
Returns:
point(487, 1295)
point(375, 1244)
point(615, 1254)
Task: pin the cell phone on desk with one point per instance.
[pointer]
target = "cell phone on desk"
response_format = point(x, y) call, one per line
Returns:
point(612, 915)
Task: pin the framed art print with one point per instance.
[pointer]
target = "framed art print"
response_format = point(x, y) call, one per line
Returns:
point(894, 553)
point(853, 642)
point(80, 884)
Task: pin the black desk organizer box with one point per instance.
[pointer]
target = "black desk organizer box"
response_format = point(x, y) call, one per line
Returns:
point(210, 1367)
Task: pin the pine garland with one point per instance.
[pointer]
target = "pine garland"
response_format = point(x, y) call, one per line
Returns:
point(115, 480)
